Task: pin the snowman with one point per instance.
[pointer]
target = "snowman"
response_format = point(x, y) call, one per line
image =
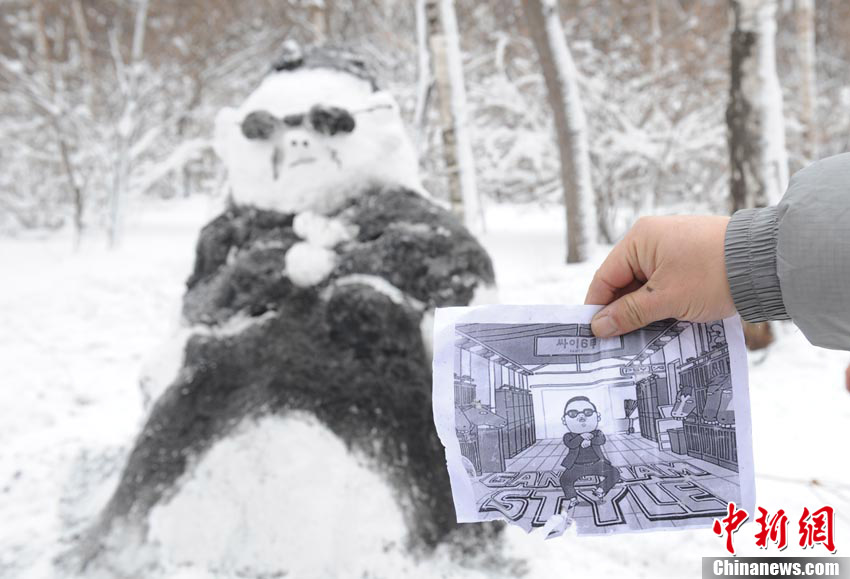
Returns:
point(305, 324)
point(289, 153)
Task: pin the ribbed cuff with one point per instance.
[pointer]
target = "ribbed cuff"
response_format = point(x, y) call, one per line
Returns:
point(750, 246)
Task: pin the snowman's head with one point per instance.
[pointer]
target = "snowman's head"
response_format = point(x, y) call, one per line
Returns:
point(315, 132)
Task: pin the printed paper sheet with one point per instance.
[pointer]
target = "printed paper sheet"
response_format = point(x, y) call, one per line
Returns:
point(546, 426)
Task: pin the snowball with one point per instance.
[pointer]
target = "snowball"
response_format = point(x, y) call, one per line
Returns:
point(308, 264)
point(320, 230)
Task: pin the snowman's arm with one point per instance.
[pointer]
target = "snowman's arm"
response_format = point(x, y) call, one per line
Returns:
point(418, 247)
point(239, 266)
point(215, 242)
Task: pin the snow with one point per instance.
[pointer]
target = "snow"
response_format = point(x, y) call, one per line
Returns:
point(322, 231)
point(308, 264)
point(235, 507)
point(380, 285)
point(75, 329)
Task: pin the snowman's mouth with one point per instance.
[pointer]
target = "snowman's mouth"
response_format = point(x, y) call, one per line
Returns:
point(302, 161)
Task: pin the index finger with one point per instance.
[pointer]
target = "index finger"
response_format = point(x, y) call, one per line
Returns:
point(618, 272)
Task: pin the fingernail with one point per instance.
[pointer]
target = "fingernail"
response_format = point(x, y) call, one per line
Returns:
point(603, 325)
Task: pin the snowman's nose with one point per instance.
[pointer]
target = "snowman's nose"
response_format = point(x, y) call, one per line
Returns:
point(298, 141)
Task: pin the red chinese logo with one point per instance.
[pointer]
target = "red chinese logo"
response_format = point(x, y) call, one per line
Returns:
point(815, 528)
point(776, 529)
point(729, 525)
point(818, 527)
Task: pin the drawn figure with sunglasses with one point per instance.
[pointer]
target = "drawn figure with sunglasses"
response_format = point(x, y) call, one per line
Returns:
point(584, 442)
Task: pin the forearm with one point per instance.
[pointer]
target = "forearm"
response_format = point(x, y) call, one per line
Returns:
point(793, 260)
point(751, 244)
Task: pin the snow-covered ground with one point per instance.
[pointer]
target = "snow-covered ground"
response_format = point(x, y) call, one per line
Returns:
point(76, 328)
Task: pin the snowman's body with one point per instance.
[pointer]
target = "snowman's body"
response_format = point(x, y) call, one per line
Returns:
point(308, 296)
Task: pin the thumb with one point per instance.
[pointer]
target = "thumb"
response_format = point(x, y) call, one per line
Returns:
point(632, 311)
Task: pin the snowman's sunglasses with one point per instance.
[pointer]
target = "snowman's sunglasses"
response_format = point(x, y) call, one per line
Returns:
point(325, 120)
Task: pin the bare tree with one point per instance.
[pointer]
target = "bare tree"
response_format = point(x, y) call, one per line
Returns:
point(457, 146)
point(655, 32)
point(424, 80)
point(758, 157)
point(44, 96)
point(128, 77)
point(318, 18)
point(560, 74)
point(805, 30)
point(92, 128)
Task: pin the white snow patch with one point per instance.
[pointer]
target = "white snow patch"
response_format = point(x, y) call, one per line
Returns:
point(75, 327)
point(485, 294)
point(308, 506)
point(308, 264)
point(381, 286)
point(323, 231)
point(162, 366)
point(426, 328)
point(235, 325)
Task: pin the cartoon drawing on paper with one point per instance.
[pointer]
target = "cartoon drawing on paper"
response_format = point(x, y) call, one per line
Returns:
point(629, 433)
point(585, 457)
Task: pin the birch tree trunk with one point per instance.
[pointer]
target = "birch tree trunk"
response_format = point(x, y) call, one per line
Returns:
point(424, 80)
point(319, 19)
point(86, 51)
point(55, 113)
point(655, 30)
point(129, 78)
point(457, 146)
point(560, 74)
point(805, 30)
point(758, 157)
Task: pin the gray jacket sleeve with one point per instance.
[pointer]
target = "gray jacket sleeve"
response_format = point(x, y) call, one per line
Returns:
point(792, 261)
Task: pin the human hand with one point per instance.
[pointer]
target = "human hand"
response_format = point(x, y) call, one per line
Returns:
point(587, 435)
point(665, 267)
point(585, 443)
